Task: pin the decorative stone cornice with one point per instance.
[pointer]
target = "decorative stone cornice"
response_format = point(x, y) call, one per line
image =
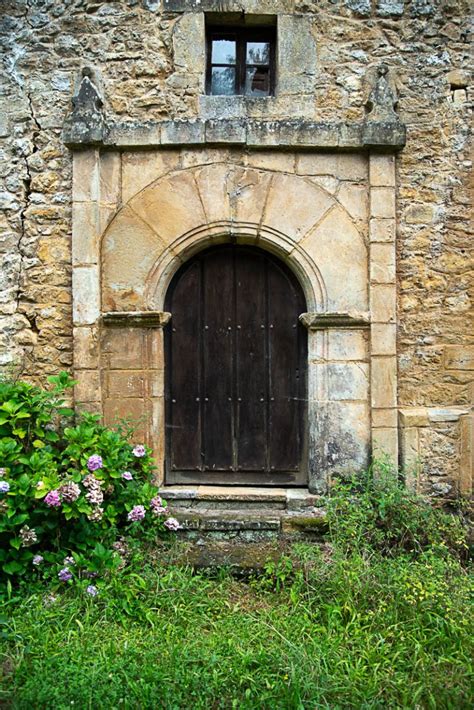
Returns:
point(252, 133)
point(321, 321)
point(136, 319)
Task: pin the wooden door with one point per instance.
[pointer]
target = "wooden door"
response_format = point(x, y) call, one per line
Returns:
point(235, 371)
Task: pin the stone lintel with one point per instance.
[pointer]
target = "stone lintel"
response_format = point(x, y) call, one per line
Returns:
point(279, 134)
point(236, 6)
point(423, 416)
point(321, 321)
point(136, 319)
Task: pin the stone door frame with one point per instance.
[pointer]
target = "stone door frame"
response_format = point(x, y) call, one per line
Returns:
point(96, 331)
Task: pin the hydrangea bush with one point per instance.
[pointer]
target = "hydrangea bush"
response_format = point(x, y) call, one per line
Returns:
point(69, 487)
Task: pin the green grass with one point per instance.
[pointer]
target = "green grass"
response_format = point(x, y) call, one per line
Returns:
point(344, 630)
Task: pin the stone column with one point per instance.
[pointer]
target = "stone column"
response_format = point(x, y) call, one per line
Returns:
point(338, 396)
point(132, 362)
point(382, 294)
point(96, 195)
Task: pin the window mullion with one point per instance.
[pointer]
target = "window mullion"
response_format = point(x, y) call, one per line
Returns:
point(241, 47)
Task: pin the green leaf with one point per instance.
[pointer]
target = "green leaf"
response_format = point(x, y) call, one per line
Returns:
point(37, 444)
point(12, 567)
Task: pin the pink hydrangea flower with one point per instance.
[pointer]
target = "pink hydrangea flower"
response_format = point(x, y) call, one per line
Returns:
point(172, 524)
point(156, 505)
point(136, 513)
point(139, 450)
point(127, 476)
point(53, 499)
point(94, 462)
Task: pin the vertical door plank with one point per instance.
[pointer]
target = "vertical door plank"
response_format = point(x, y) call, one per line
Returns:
point(184, 421)
point(217, 339)
point(284, 442)
point(250, 362)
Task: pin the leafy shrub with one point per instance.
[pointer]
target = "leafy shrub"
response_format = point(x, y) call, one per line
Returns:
point(68, 484)
point(375, 510)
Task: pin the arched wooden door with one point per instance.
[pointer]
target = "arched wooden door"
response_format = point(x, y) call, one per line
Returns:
point(235, 371)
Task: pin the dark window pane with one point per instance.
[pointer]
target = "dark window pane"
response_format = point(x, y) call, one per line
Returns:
point(258, 52)
point(223, 81)
point(257, 81)
point(223, 51)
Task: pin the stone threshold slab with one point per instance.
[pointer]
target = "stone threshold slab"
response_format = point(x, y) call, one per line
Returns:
point(289, 498)
point(253, 133)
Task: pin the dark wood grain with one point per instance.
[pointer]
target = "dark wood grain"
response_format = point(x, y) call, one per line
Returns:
point(235, 371)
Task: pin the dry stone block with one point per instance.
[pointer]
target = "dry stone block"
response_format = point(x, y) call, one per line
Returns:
point(347, 345)
point(294, 206)
point(382, 170)
point(348, 381)
point(87, 388)
point(129, 250)
point(86, 305)
point(382, 263)
point(354, 199)
point(384, 418)
point(85, 233)
point(337, 248)
point(382, 230)
point(385, 442)
point(383, 308)
point(122, 384)
point(140, 169)
point(85, 176)
point(110, 177)
point(382, 202)
point(86, 350)
point(213, 182)
point(172, 205)
point(459, 357)
point(383, 339)
point(383, 382)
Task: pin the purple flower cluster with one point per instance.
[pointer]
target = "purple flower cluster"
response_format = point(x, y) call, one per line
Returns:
point(37, 560)
point(139, 451)
point(53, 499)
point(64, 575)
point(70, 492)
point(4, 486)
point(127, 476)
point(94, 462)
point(92, 590)
point(156, 505)
point(28, 536)
point(136, 513)
point(172, 524)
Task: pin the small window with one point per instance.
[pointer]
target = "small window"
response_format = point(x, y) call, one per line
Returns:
point(240, 61)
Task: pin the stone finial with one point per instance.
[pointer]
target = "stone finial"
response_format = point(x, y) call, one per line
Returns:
point(382, 99)
point(86, 122)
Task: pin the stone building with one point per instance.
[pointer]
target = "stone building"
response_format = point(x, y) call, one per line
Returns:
point(244, 223)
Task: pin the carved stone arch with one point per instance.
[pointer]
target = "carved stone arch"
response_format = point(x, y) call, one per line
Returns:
point(208, 235)
point(187, 209)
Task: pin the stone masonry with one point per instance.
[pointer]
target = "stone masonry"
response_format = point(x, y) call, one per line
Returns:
point(403, 209)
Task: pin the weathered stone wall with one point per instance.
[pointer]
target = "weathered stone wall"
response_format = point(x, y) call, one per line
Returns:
point(137, 48)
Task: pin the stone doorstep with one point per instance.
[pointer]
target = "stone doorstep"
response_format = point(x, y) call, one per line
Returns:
point(239, 497)
point(313, 520)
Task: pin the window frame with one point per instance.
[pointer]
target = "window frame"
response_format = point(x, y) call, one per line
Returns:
point(241, 36)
